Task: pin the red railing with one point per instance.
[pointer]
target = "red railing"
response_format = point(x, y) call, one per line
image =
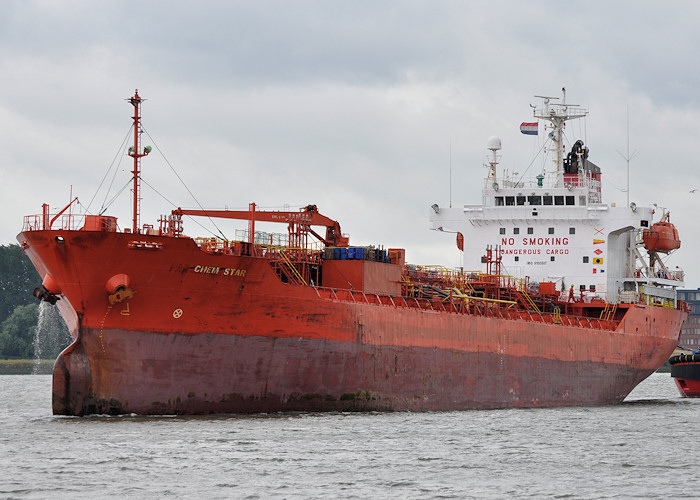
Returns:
point(68, 222)
point(475, 306)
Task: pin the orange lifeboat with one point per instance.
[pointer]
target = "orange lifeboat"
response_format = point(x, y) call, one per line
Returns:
point(662, 237)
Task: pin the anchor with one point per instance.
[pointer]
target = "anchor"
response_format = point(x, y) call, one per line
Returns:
point(44, 295)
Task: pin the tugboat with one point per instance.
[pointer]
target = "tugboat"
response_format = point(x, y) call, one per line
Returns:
point(685, 370)
point(560, 307)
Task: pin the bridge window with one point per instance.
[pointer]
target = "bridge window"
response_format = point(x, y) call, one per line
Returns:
point(520, 200)
point(510, 200)
point(499, 201)
point(534, 200)
point(558, 200)
point(546, 200)
point(570, 200)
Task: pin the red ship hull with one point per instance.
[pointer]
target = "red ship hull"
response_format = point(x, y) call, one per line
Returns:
point(207, 333)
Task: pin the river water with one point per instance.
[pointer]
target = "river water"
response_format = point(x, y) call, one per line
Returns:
point(643, 448)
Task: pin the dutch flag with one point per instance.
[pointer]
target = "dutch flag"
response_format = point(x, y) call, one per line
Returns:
point(528, 128)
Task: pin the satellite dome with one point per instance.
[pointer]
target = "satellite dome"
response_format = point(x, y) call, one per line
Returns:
point(493, 143)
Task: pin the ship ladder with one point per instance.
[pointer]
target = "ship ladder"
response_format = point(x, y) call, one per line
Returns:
point(525, 297)
point(608, 312)
point(611, 315)
point(292, 268)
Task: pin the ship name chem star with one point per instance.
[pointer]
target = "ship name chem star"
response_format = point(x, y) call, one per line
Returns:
point(218, 270)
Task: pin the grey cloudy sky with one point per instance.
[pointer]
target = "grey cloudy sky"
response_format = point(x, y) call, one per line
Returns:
point(353, 106)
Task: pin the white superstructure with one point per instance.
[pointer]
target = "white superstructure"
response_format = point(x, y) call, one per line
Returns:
point(555, 227)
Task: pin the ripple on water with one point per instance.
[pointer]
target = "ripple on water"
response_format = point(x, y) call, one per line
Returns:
point(636, 449)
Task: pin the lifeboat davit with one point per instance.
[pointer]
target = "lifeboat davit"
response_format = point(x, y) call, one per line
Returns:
point(662, 237)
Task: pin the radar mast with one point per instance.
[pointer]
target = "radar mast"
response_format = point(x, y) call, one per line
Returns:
point(557, 114)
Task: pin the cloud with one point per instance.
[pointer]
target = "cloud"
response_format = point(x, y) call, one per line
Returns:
point(372, 111)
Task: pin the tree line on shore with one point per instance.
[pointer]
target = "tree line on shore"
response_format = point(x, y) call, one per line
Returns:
point(20, 312)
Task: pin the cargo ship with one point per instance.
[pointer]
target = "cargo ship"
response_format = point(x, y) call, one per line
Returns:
point(685, 370)
point(566, 301)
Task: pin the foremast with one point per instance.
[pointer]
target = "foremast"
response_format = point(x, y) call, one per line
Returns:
point(137, 153)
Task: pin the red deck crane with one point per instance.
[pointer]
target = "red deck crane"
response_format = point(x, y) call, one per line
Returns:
point(298, 222)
